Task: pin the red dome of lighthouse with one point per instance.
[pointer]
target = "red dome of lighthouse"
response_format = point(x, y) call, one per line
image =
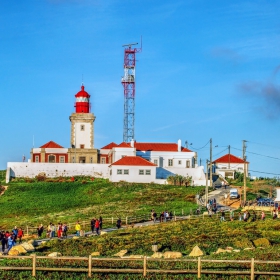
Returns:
point(82, 101)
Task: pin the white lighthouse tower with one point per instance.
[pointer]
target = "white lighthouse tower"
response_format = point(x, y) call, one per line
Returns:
point(82, 131)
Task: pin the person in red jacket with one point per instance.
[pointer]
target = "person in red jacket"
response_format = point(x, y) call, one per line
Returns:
point(97, 224)
point(20, 234)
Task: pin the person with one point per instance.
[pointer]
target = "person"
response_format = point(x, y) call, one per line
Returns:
point(15, 232)
point(59, 230)
point(11, 242)
point(3, 241)
point(239, 216)
point(100, 223)
point(40, 230)
point(78, 228)
point(20, 235)
point(64, 230)
point(119, 223)
point(231, 214)
point(52, 230)
point(97, 225)
point(222, 216)
point(49, 231)
point(92, 224)
point(245, 216)
point(254, 216)
point(170, 215)
point(161, 217)
point(263, 216)
point(274, 215)
point(154, 216)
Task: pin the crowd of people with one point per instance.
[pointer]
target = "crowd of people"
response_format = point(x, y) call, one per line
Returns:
point(9, 239)
point(164, 216)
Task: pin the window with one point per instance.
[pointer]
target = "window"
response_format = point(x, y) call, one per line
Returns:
point(170, 162)
point(103, 160)
point(82, 127)
point(82, 146)
point(52, 158)
point(111, 172)
point(73, 159)
point(126, 172)
point(36, 158)
point(91, 160)
point(148, 172)
point(141, 172)
point(188, 164)
point(156, 162)
point(62, 159)
point(119, 171)
point(179, 162)
point(239, 168)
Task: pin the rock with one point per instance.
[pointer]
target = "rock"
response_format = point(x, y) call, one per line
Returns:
point(229, 248)
point(82, 233)
point(103, 232)
point(236, 250)
point(13, 252)
point(261, 242)
point(43, 242)
point(243, 243)
point(133, 257)
point(249, 248)
point(157, 255)
point(54, 254)
point(172, 255)
point(28, 247)
point(196, 252)
point(121, 253)
point(75, 237)
point(220, 250)
point(19, 249)
point(94, 254)
point(31, 241)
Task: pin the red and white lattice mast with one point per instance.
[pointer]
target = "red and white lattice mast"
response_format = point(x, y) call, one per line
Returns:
point(128, 81)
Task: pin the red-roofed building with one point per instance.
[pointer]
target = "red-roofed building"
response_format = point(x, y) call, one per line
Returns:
point(132, 169)
point(228, 164)
point(50, 152)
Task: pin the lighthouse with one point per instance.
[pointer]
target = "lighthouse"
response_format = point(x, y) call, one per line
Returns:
point(82, 130)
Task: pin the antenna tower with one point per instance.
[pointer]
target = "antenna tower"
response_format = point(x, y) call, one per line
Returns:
point(128, 81)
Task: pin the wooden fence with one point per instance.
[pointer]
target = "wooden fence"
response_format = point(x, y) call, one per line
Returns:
point(220, 267)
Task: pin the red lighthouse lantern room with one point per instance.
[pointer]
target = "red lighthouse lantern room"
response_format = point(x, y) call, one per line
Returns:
point(82, 101)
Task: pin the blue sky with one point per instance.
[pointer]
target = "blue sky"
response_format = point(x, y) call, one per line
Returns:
point(208, 69)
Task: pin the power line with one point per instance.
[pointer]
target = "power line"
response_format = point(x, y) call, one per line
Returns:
point(258, 154)
point(264, 145)
point(264, 172)
point(220, 152)
point(201, 147)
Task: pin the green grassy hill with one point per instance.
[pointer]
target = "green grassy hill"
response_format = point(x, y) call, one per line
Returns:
point(25, 203)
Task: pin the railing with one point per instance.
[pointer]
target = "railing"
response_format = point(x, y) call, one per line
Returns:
point(92, 265)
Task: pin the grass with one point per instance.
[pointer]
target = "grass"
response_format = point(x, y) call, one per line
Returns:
point(43, 202)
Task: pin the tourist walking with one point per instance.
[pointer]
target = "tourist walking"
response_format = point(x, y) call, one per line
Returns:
point(20, 235)
point(119, 223)
point(78, 228)
point(92, 224)
point(97, 226)
point(222, 219)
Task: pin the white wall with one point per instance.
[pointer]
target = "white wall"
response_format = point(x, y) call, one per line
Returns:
point(83, 137)
point(119, 152)
point(133, 175)
point(30, 169)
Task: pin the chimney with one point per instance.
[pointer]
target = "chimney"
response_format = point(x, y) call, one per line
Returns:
point(179, 145)
point(132, 143)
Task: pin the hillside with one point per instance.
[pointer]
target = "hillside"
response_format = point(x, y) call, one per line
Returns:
point(31, 203)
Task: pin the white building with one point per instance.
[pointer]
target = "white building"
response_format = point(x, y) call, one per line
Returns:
point(228, 164)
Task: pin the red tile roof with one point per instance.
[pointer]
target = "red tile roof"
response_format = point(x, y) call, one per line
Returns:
point(51, 144)
point(110, 146)
point(156, 147)
point(131, 160)
point(229, 158)
point(124, 145)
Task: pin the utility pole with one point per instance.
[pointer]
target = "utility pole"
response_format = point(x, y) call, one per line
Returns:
point(211, 162)
point(206, 188)
point(228, 156)
point(245, 171)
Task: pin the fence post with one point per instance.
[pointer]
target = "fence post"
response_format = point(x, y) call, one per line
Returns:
point(175, 218)
point(198, 267)
point(89, 265)
point(252, 269)
point(27, 230)
point(112, 220)
point(126, 219)
point(34, 265)
point(145, 266)
point(182, 212)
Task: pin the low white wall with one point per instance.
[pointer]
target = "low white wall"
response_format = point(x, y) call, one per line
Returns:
point(32, 169)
